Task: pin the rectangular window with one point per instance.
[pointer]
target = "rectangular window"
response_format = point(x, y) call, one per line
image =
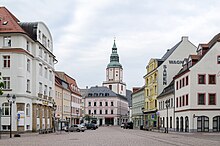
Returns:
point(40, 52)
point(177, 85)
point(212, 99)
point(170, 122)
point(40, 88)
point(177, 102)
point(100, 112)
point(106, 103)
point(28, 85)
point(121, 87)
point(44, 41)
point(28, 46)
point(28, 65)
point(180, 84)
point(45, 74)
point(89, 112)
point(218, 59)
point(50, 92)
point(100, 104)
point(94, 103)
point(180, 101)
point(187, 80)
point(201, 99)
point(183, 98)
point(39, 34)
point(50, 75)
point(201, 79)
point(110, 87)
point(45, 89)
point(6, 81)
point(6, 61)
point(183, 82)
point(171, 102)
point(106, 112)
point(94, 112)
point(212, 79)
point(40, 69)
point(7, 41)
point(112, 112)
point(45, 55)
point(187, 99)
point(112, 103)
point(89, 103)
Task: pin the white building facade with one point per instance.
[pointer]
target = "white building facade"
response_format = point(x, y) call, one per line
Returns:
point(197, 102)
point(27, 65)
point(172, 62)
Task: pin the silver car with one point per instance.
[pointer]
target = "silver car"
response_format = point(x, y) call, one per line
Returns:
point(76, 128)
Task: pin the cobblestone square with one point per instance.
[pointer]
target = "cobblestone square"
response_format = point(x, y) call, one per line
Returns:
point(113, 136)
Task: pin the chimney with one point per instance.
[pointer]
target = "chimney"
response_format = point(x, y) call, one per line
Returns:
point(184, 38)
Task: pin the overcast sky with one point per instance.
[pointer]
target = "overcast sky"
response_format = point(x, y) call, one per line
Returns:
point(83, 32)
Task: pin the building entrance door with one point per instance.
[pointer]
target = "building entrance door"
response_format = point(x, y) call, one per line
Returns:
point(203, 124)
point(100, 122)
point(216, 124)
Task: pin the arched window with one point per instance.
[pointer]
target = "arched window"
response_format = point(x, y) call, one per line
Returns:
point(216, 124)
point(181, 124)
point(28, 109)
point(186, 124)
point(5, 109)
point(203, 124)
point(177, 124)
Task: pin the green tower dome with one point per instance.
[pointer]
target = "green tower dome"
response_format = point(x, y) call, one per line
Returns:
point(114, 58)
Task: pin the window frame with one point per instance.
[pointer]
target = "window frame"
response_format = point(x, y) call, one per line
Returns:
point(214, 98)
point(214, 75)
point(218, 59)
point(28, 110)
point(203, 99)
point(187, 80)
point(6, 61)
point(204, 79)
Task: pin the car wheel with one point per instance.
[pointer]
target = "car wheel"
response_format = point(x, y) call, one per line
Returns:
point(83, 130)
point(78, 130)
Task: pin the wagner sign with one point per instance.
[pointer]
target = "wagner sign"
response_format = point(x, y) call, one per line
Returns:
point(175, 62)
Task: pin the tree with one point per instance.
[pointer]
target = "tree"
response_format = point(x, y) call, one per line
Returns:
point(1, 86)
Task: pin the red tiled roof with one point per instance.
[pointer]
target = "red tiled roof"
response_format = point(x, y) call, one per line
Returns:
point(12, 22)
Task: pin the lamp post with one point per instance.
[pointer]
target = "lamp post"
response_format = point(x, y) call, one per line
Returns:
point(0, 123)
point(143, 118)
point(11, 99)
point(77, 112)
point(54, 116)
point(167, 105)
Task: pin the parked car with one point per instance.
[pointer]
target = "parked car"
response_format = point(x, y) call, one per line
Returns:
point(91, 126)
point(76, 128)
point(122, 125)
point(128, 125)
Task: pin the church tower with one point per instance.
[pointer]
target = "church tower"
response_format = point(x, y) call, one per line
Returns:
point(114, 74)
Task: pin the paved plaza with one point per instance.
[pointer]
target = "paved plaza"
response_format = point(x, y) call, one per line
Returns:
point(113, 136)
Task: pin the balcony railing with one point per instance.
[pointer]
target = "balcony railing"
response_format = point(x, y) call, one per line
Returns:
point(40, 95)
point(45, 97)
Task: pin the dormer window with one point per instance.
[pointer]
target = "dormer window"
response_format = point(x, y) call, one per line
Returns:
point(218, 59)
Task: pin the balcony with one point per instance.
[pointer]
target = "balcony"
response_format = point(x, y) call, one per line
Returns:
point(45, 97)
point(50, 98)
point(40, 95)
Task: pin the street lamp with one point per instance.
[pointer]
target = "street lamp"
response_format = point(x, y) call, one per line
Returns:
point(77, 112)
point(54, 115)
point(167, 105)
point(11, 99)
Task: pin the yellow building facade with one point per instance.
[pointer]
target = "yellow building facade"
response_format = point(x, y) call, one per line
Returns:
point(151, 87)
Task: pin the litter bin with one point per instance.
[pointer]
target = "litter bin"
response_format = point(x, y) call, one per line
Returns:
point(141, 127)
